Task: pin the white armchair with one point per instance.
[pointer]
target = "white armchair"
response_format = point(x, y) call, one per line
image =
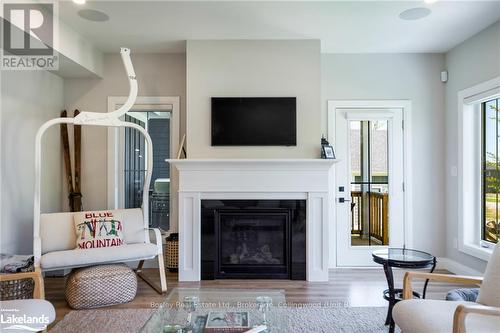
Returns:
point(437, 316)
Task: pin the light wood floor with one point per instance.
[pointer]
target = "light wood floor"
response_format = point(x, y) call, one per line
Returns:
point(353, 287)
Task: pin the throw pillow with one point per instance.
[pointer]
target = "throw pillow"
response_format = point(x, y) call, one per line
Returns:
point(98, 229)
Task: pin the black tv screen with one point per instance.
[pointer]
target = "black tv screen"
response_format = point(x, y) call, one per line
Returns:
point(254, 121)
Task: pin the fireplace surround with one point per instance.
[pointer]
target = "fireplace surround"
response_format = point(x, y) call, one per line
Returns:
point(260, 239)
point(311, 180)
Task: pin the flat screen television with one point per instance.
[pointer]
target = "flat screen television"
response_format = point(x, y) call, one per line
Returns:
point(254, 121)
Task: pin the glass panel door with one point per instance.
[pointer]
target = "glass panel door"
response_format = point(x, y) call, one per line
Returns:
point(369, 182)
point(157, 124)
point(369, 179)
point(135, 164)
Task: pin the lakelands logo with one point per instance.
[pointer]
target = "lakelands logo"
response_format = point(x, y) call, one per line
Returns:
point(11, 319)
point(29, 35)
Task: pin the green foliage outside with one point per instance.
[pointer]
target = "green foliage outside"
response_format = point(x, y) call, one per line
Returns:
point(492, 184)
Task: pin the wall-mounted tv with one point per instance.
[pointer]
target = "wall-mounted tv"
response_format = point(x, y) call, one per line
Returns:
point(254, 121)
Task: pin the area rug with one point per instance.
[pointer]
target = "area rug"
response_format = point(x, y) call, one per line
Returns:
point(298, 320)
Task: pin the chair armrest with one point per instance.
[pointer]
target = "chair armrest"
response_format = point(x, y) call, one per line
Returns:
point(409, 276)
point(18, 276)
point(158, 240)
point(463, 310)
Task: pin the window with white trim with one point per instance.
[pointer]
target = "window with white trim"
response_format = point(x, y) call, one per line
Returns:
point(490, 171)
point(479, 168)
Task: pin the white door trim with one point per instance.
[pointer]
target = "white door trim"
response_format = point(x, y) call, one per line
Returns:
point(169, 103)
point(406, 105)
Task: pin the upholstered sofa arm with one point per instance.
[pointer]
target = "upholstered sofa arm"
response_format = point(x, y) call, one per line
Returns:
point(158, 240)
point(463, 310)
point(409, 276)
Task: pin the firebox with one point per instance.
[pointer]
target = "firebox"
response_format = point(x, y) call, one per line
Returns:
point(260, 239)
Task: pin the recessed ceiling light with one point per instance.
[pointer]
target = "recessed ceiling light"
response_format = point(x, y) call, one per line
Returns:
point(80, 2)
point(93, 15)
point(415, 14)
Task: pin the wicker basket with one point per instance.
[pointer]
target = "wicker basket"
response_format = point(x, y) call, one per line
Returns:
point(16, 289)
point(171, 252)
point(97, 286)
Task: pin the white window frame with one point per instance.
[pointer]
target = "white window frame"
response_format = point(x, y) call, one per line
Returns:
point(469, 167)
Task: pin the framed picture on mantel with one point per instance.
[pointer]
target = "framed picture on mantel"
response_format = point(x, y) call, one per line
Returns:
point(328, 152)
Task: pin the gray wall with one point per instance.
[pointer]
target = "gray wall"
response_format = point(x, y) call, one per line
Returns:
point(253, 68)
point(472, 62)
point(28, 99)
point(403, 76)
point(157, 75)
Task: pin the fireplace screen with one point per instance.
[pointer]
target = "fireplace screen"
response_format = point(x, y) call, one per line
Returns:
point(256, 239)
point(253, 243)
point(253, 239)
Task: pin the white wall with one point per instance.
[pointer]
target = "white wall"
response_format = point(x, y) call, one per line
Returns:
point(253, 68)
point(403, 76)
point(28, 99)
point(76, 47)
point(157, 75)
point(472, 62)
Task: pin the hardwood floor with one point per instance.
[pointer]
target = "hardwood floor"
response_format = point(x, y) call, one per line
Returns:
point(352, 287)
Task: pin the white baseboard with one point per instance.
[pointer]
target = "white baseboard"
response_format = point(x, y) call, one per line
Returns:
point(456, 267)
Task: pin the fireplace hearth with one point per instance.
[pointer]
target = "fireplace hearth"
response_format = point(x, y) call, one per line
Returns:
point(260, 239)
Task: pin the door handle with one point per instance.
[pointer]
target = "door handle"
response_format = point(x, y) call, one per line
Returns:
point(342, 200)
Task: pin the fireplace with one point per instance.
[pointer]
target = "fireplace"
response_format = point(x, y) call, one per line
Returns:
point(306, 186)
point(260, 239)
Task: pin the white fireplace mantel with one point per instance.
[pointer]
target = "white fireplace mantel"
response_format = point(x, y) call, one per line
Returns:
point(307, 179)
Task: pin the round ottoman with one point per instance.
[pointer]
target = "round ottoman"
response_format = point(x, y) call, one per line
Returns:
point(98, 286)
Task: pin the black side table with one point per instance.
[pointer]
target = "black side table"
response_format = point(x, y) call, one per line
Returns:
point(401, 258)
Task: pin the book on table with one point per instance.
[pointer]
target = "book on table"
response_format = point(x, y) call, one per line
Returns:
point(227, 322)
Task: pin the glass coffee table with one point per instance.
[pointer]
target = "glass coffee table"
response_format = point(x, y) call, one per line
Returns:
point(401, 258)
point(191, 307)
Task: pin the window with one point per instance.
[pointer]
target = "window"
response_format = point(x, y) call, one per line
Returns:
point(490, 173)
point(478, 169)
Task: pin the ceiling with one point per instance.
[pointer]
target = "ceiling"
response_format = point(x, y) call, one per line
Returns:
point(342, 26)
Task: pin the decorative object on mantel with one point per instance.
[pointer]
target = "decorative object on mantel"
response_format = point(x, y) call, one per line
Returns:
point(172, 252)
point(182, 150)
point(326, 150)
point(324, 141)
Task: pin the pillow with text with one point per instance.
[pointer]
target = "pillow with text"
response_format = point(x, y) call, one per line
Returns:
point(98, 229)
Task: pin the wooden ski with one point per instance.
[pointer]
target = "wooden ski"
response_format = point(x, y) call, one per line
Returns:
point(77, 196)
point(67, 160)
